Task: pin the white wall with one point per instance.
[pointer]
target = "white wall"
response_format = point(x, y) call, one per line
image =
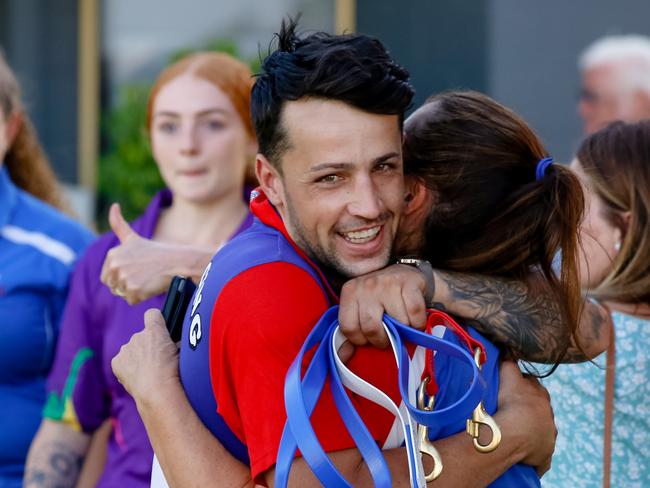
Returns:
point(138, 36)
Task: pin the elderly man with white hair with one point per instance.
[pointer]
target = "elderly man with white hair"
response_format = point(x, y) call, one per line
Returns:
point(615, 81)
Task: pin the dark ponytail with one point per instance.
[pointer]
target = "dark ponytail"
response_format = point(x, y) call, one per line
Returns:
point(491, 214)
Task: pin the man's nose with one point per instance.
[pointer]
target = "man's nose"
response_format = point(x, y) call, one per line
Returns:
point(366, 200)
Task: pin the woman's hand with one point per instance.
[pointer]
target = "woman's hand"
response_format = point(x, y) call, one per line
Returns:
point(138, 268)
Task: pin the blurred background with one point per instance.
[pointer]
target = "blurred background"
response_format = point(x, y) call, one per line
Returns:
point(85, 66)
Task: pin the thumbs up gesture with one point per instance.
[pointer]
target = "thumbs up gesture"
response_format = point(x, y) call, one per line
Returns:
point(137, 268)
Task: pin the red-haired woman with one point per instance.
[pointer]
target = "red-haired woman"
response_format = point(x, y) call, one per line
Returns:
point(202, 141)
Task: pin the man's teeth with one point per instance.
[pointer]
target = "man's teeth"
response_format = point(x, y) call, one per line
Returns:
point(362, 235)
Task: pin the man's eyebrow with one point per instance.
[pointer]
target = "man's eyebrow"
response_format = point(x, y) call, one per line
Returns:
point(385, 157)
point(326, 166)
point(209, 111)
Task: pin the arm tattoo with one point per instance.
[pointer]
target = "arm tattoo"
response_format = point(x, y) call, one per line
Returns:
point(593, 337)
point(524, 318)
point(57, 466)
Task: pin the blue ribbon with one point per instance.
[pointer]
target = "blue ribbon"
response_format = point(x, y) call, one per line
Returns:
point(302, 394)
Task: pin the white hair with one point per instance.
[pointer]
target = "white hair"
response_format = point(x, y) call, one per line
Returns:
point(630, 53)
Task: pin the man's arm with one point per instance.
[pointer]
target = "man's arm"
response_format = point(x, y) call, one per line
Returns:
point(55, 456)
point(523, 316)
point(189, 454)
point(528, 436)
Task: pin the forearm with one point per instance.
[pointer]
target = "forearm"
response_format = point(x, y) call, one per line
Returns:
point(189, 261)
point(462, 464)
point(55, 456)
point(523, 317)
point(593, 334)
point(190, 456)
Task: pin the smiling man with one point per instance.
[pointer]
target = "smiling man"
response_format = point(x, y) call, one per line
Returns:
point(328, 115)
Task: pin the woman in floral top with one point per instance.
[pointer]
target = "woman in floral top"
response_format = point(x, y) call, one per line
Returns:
point(614, 166)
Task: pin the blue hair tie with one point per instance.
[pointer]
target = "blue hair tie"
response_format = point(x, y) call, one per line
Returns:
point(542, 167)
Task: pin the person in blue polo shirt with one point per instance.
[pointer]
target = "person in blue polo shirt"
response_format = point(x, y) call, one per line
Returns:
point(38, 248)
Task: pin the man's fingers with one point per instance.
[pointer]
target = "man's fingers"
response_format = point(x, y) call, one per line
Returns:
point(349, 322)
point(544, 467)
point(370, 319)
point(415, 307)
point(153, 319)
point(119, 225)
point(346, 351)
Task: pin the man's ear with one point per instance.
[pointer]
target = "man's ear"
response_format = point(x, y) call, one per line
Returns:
point(12, 126)
point(270, 180)
point(417, 196)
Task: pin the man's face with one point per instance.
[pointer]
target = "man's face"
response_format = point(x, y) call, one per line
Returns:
point(606, 96)
point(341, 191)
point(600, 98)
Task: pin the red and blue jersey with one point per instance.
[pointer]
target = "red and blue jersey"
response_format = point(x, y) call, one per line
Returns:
point(254, 307)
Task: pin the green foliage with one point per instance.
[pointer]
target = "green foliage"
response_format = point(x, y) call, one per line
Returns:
point(127, 172)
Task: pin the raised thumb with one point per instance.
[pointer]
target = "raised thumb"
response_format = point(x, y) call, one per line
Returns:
point(119, 225)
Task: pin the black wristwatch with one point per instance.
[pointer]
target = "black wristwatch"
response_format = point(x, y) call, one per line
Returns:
point(424, 267)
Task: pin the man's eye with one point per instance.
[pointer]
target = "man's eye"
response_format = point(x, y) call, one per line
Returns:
point(384, 167)
point(328, 179)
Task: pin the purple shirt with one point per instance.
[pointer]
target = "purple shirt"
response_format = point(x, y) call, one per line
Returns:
point(82, 390)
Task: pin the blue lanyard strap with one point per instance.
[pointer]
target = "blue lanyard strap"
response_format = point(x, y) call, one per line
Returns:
point(302, 394)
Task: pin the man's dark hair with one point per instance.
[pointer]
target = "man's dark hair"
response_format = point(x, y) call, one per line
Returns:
point(351, 68)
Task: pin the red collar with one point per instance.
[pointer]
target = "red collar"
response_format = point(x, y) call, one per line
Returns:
point(268, 215)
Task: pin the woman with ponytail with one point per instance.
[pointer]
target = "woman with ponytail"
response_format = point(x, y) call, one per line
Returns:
point(38, 248)
point(484, 198)
point(497, 204)
point(602, 410)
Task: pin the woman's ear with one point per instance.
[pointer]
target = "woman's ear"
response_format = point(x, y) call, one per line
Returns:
point(417, 196)
point(624, 221)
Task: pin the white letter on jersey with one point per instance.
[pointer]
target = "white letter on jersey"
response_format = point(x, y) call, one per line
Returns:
point(195, 331)
point(199, 292)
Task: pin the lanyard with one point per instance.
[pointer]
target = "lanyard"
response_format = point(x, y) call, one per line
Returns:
point(301, 396)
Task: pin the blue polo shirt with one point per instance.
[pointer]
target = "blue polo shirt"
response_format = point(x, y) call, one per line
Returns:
point(38, 248)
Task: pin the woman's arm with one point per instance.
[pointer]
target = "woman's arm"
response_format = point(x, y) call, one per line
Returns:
point(55, 456)
point(524, 316)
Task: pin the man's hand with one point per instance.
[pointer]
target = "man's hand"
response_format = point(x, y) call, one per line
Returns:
point(138, 268)
point(149, 361)
point(525, 411)
point(397, 290)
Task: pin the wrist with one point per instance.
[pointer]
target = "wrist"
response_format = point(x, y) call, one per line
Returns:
point(426, 271)
point(162, 396)
point(191, 262)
